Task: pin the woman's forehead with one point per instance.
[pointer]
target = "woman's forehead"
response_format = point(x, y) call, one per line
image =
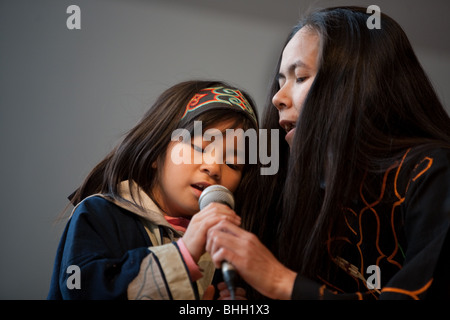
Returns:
point(302, 50)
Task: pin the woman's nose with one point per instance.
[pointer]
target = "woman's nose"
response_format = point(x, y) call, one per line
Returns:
point(281, 99)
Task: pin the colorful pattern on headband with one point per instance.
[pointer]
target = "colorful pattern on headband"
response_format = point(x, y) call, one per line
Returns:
point(225, 96)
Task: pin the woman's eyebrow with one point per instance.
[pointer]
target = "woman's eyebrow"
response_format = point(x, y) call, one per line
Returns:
point(291, 69)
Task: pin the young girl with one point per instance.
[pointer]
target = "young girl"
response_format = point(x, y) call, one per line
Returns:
point(135, 231)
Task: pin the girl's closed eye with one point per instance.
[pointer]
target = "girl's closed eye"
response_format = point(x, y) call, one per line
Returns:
point(234, 159)
point(233, 165)
point(198, 148)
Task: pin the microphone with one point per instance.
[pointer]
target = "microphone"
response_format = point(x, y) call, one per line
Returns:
point(218, 193)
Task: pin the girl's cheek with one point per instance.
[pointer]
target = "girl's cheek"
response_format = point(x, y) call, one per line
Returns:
point(233, 180)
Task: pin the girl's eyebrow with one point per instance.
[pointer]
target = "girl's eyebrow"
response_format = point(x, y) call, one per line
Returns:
point(223, 132)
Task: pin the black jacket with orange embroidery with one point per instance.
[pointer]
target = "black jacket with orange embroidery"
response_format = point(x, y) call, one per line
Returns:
point(398, 240)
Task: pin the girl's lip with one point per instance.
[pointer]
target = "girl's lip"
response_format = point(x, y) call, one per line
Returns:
point(197, 192)
point(199, 187)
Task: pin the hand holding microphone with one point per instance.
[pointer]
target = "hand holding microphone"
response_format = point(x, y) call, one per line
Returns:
point(218, 193)
point(255, 262)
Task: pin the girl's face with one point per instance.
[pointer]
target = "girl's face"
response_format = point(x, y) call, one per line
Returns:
point(298, 69)
point(181, 185)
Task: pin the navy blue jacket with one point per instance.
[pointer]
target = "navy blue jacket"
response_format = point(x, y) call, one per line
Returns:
point(108, 243)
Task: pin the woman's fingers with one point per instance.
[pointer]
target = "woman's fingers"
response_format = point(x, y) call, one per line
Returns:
point(196, 233)
point(209, 293)
point(224, 293)
point(226, 241)
point(215, 212)
point(253, 261)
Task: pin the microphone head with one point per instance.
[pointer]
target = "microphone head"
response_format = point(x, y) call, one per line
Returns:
point(216, 193)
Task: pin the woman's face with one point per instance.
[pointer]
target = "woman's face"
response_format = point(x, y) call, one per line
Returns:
point(298, 68)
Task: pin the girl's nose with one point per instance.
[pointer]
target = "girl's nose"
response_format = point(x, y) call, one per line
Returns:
point(212, 169)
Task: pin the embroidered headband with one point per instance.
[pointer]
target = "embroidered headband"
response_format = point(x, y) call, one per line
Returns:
point(218, 98)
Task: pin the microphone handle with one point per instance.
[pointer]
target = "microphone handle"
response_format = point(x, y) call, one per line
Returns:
point(229, 276)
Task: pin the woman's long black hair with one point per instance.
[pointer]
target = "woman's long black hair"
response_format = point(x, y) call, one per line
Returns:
point(370, 101)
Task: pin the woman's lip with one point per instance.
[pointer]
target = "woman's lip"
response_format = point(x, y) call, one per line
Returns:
point(289, 136)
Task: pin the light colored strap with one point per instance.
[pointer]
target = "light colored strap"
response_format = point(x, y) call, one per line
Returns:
point(207, 267)
point(175, 272)
point(149, 284)
point(153, 232)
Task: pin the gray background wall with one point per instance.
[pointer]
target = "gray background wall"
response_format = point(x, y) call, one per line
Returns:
point(67, 96)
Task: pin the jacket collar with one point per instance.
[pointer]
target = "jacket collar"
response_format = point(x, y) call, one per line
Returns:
point(138, 202)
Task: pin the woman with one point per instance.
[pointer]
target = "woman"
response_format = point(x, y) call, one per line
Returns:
point(361, 201)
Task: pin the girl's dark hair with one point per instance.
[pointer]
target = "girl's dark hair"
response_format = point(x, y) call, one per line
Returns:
point(147, 142)
point(370, 102)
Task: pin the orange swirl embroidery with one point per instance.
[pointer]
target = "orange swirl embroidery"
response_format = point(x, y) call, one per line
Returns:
point(412, 294)
point(358, 227)
point(371, 208)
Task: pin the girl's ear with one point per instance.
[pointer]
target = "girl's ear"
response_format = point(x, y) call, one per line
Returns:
point(158, 162)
